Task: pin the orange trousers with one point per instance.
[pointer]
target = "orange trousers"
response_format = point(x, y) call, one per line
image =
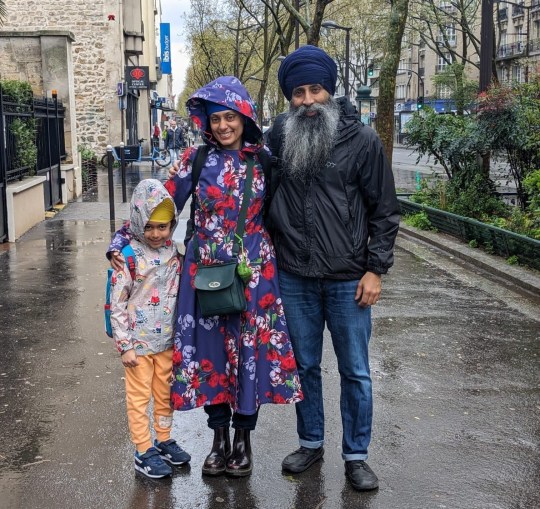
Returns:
point(151, 378)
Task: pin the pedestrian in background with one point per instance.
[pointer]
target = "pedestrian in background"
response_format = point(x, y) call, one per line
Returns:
point(333, 218)
point(156, 134)
point(142, 319)
point(174, 142)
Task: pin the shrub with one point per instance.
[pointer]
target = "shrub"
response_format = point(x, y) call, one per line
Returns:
point(419, 220)
point(512, 260)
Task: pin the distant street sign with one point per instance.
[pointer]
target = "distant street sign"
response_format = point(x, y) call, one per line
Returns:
point(120, 88)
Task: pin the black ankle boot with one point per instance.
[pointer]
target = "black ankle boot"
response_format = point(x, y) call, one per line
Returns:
point(240, 462)
point(214, 464)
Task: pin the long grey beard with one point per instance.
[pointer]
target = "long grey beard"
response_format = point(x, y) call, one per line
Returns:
point(309, 140)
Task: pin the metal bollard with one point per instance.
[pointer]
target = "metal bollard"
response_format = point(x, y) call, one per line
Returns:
point(111, 185)
point(123, 172)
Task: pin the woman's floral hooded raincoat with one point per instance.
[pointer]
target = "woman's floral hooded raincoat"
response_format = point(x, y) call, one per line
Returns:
point(244, 360)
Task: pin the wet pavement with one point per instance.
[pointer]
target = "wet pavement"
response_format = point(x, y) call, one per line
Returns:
point(454, 354)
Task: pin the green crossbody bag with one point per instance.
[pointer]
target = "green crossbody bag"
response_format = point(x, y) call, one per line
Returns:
point(219, 287)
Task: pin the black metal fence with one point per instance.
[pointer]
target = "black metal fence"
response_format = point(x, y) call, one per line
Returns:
point(49, 115)
point(46, 117)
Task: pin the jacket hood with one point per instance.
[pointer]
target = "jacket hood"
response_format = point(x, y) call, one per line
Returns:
point(229, 92)
point(148, 194)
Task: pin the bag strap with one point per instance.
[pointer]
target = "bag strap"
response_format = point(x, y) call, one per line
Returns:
point(196, 168)
point(240, 224)
point(131, 260)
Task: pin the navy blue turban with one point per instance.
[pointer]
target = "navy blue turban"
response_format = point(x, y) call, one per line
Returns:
point(307, 65)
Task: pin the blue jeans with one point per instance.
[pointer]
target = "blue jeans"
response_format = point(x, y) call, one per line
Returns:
point(174, 154)
point(308, 304)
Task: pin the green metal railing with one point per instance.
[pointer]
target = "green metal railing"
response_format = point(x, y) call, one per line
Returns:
point(501, 242)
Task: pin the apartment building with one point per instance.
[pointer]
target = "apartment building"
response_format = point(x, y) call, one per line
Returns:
point(517, 27)
point(431, 44)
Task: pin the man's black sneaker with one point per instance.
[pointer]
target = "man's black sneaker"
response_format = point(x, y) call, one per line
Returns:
point(360, 475)
point(302, 459)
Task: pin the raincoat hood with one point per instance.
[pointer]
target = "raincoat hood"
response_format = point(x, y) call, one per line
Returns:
point(148, 194)
point(229, 92)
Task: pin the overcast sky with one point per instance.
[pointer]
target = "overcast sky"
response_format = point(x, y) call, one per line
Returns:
point(174, 12)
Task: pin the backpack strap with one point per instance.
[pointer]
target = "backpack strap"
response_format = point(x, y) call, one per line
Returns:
point(131, 261)
point(196, 168)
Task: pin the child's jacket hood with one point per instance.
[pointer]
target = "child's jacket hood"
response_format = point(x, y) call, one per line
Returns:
point(148, 194)
point(227, 91)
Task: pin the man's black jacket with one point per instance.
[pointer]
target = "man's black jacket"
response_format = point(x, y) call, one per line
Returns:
point(345, 222)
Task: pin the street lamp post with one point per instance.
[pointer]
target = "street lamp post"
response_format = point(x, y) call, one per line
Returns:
point(334, 25)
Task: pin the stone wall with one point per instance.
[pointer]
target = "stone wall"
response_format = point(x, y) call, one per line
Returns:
point(20, 59)
point(96, 56)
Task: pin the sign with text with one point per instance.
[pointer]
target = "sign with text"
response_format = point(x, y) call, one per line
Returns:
point(165, 39)
point(137, 77)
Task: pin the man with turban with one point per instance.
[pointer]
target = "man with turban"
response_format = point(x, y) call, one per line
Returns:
point(334, 218)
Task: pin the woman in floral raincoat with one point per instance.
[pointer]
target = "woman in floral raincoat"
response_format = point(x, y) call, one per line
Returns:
point(238, 361)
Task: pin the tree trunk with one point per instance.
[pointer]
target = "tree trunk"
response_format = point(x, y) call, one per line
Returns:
point(389, 67)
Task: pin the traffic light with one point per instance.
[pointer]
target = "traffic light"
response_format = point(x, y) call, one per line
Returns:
point(370, 71)
point(419, 103)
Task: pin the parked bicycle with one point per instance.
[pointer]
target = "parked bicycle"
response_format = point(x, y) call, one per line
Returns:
point(133, 154)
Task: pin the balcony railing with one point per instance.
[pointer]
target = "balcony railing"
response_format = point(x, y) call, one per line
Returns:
point(534, 46)
point(502, 14)
point(535, 5)
point(517, 10)
point(511, 50)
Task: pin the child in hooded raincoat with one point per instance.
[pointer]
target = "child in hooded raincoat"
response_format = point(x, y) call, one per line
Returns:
point(232, 364)
point(142, 319)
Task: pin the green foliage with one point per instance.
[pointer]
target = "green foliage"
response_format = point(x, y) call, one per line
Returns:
point(419, 220)
point(19, 91)
point(506, 124)
point(531, 183)
point(452, 141)
point(463, 90)
point(473, 243)
point(87, 153)
point(509, 118)
point(432, 192)
point(24, 131)
point(512, 260)
point(22, 128)
point(471, 195)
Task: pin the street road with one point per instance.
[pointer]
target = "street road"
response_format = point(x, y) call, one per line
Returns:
point(454, 359)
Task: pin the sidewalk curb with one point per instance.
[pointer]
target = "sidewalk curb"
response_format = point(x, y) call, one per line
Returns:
point(526, 278)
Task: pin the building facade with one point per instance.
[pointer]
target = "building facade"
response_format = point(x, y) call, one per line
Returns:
point(518, 40)
point(105, 41)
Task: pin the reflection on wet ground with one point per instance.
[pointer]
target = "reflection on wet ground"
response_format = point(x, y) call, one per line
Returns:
point(454, 364)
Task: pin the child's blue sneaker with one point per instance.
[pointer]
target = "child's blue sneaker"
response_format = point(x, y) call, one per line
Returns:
point(171, 452)
point(151, 465)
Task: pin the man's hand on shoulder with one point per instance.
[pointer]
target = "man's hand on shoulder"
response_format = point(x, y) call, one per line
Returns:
point(368, 291)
